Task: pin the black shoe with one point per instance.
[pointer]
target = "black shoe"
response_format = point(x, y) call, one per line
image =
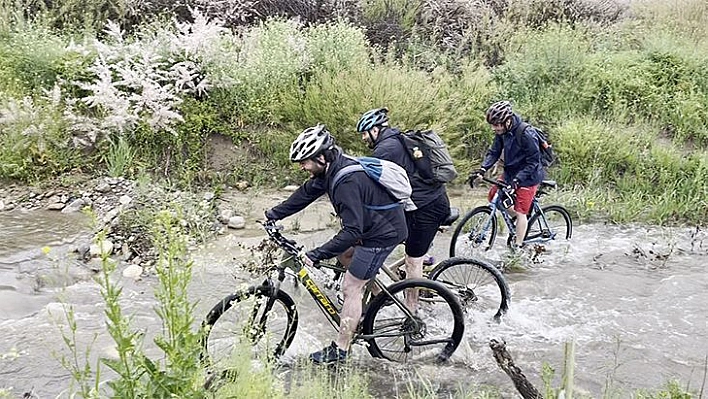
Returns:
point(329, 354)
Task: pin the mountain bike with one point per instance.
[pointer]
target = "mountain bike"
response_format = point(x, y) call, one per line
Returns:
point(478, 229)
point(265, 316)
point(479, 286)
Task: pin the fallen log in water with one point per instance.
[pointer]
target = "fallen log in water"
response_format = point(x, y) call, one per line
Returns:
point(504, 360)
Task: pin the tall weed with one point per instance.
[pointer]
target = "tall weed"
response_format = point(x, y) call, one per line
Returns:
point(119, 159)
point(29, 54)
point(34, 140)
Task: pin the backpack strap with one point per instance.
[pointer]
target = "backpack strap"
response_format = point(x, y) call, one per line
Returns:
point(357, 167)
point(519, 131)
point(343, 172)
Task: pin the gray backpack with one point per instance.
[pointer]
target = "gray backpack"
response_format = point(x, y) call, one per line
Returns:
point(430, 155)
point(388, 174)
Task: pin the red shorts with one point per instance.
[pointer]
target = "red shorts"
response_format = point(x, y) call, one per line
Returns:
point(524, 198)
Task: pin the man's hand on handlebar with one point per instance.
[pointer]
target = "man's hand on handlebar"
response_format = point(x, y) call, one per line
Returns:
point(476, 173)
point(307, 261)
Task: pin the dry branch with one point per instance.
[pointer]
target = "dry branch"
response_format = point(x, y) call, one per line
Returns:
point(504, 360)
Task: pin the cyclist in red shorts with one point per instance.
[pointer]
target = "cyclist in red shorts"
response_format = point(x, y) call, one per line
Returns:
point(522, 161)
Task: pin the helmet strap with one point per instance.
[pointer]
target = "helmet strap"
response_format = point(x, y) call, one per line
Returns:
point(319, 159)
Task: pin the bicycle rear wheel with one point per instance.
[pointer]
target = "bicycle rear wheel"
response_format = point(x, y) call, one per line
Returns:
point(433, 333)
point(253, 317)
point(480, 286)
point(555, 223)
point(470, 236)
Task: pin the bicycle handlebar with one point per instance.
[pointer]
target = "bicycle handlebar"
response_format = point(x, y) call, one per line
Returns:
point(499, 183)
point(274, 233)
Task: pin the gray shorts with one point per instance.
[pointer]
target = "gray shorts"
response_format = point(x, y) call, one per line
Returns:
point(366, 262)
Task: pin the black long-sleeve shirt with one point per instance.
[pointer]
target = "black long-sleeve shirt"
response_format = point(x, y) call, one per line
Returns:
point(360, 226)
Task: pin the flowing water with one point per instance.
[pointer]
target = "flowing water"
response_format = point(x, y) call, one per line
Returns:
point(633, 299)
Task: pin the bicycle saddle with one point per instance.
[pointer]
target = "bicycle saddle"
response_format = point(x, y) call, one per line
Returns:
point(454, 215)
point(548, 184)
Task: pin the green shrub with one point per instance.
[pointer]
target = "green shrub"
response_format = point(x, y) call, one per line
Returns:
point(643, 179)
point(34, 142)
point(28, 59)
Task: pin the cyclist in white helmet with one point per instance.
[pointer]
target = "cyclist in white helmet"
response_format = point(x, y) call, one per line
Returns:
point(371, 229)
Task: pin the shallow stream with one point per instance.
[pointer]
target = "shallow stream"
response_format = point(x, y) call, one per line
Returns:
point(633, 298)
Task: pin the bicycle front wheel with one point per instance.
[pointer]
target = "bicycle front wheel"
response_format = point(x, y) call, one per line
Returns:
point(480, 287)
point(471, 235)
point(254, 317)
point(433, 333)
point(555, 223)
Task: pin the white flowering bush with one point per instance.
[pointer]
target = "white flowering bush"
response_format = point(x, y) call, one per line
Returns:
point(143, 81)
point(32, 133)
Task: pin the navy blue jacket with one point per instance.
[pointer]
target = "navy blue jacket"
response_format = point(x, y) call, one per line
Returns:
point(388, 146)
point(522, 158)
point(360, 226)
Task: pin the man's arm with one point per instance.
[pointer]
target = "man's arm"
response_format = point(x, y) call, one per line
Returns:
point(351, 212)
point(493, 153)
point(299, 200)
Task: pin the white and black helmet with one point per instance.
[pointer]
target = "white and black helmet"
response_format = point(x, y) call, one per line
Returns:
point(310, 143)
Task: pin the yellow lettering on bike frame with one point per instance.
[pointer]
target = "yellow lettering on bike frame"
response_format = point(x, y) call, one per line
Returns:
point(315, 291)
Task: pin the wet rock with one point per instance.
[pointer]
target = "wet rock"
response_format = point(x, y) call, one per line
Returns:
point(110, 215)
point(237, 222)
point(95, 265)
point(106, 247)
point(225, 215)
point(56, 206)
point(103, 188)
point(83, 250)
point(133, 271)
point(74, 206)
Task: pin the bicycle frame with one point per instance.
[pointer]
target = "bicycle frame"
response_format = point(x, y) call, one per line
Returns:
point(496, 205)
point(291, 260)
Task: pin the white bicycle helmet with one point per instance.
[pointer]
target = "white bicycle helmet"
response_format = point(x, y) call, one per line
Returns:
point(310, 143)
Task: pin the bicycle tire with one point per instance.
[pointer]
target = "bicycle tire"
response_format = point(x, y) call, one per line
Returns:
point(479, 286)
point(557, 218)
point(437, 324)
point(464, 245)
point(225, 325)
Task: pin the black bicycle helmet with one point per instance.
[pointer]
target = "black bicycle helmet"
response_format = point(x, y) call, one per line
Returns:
point(371, 118)
point(499, 112)
point(310, 143)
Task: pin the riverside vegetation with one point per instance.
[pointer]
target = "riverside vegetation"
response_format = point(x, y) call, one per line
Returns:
point(138, 89)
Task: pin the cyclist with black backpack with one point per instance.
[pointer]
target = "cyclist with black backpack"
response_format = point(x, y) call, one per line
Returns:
point(523, 169)
point(428, 195)
point(373, 224)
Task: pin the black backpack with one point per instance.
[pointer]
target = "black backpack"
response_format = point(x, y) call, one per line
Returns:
point(548, 157)
point(430, 155)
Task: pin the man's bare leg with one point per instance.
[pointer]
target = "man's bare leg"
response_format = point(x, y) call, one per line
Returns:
point(521, 226)
point(353, 289)
point(414, 269)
